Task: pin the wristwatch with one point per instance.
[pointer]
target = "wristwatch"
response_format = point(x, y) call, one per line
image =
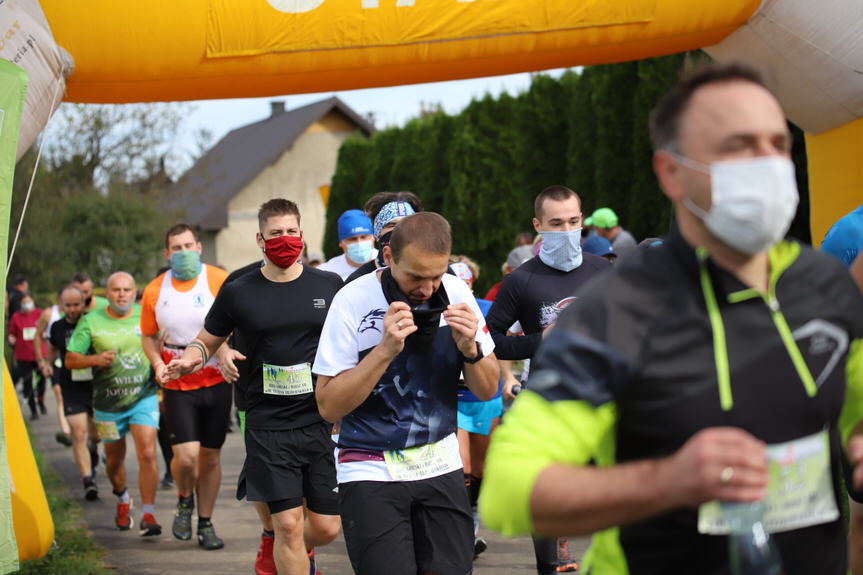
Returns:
point(476, 358)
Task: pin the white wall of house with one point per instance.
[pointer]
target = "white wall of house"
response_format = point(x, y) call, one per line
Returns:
point(297, 176)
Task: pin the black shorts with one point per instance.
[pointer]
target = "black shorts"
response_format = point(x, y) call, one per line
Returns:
point(198, 415)
point(408, 526)
point(284, 467)
point(77, 397)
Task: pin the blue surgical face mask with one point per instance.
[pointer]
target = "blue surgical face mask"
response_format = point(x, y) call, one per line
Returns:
point(561, 250)
point(360, 252)
point(186, 265)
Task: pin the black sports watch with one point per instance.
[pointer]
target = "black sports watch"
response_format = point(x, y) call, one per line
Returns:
point(475, 359)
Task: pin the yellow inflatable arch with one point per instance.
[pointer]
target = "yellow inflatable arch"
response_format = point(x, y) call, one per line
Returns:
point(115, 51)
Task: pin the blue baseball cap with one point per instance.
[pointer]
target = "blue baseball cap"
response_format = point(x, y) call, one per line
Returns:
point(598, 246)
point(354, 223)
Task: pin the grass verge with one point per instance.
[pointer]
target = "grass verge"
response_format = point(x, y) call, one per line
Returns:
point(74, 552)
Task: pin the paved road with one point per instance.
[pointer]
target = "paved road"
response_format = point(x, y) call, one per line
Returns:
point(235, 521)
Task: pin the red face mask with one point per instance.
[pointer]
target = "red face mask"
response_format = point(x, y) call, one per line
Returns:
point(283, 251)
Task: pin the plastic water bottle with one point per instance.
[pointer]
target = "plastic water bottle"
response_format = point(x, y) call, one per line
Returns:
point(751, 549)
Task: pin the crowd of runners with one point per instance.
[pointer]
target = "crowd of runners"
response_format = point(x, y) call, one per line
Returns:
point(380, 398)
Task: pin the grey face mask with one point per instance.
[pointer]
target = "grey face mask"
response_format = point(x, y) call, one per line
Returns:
point(561, 250)
point(122, 310)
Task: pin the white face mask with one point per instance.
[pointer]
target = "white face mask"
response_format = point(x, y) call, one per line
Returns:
point(753, 201)
point(561, 250)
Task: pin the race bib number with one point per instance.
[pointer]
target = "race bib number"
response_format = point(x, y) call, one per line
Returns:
point(108, 430)
point(28, 333)
point(799, 494)
point(419, 462)
point(85, 374)
point(288, 380)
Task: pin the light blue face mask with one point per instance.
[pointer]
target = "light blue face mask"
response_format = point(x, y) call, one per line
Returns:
point(561, 250)
point(360, 252)
point(186, 265)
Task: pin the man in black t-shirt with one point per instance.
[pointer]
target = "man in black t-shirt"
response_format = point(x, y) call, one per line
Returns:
point(535, 294)
point(279, 312)
point(76, 385)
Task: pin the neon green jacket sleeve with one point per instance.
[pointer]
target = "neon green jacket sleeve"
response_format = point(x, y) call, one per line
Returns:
point(536, 434)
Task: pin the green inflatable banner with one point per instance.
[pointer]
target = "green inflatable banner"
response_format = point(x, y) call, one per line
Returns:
point(13, 89)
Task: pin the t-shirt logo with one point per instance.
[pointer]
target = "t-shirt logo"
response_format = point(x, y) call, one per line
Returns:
point(197, 300)
point(549, 313)
point(372, 320)
point(319, 303)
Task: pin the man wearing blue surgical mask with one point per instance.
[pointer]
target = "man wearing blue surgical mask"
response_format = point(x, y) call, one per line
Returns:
point(534, 295)
point(357, 242)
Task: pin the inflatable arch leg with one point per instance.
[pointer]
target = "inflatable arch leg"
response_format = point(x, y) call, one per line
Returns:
point(835, 176)
point(34, 527)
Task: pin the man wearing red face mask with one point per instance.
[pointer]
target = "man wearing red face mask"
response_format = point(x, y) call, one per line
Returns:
point(279, 311)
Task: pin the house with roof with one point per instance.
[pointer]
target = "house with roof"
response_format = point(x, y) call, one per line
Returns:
point(291, 154)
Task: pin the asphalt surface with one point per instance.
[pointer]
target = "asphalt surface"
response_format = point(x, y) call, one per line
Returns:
point(236, 522)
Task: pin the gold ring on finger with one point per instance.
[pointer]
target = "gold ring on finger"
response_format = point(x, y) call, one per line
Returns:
point(726, 475)
point(399, 324)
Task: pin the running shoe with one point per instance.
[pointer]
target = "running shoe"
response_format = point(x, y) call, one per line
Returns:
point(566, 562)
point(479, 545)
point(42, 408)
point(264, 562)
point(182, 527)
point(124, 520)
point(208, 539)
point(63, 438)
point(167, 481)
point(313, 565)
point(149, 526)
point(91, 491)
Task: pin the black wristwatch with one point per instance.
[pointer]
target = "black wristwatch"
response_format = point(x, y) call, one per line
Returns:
point(475, 359)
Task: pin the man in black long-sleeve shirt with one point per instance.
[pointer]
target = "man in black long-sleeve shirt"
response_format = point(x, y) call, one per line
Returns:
point(536, 293)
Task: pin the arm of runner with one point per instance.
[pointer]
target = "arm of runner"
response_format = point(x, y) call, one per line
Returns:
point(81, 361)
point(153, 349)
point(228, 358)
point(38, 340)
point(509, 379)
point(12, 332)
point(339, 395)
point(194, 357)
point(481, 377)
point(501, 316)
point(46, 366)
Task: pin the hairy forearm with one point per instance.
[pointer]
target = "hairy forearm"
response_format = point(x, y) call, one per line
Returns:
point(574, 500)
point(80, 361)
point(340, 395)
point(482, 377)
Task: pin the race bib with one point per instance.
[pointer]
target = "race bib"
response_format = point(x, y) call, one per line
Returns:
point(420, 462)
point(799, 494)
point(108, 430)
point(288, 380)
point(28, 333)
point(85, 374)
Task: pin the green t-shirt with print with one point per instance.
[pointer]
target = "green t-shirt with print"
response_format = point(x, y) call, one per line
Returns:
point(128, 379)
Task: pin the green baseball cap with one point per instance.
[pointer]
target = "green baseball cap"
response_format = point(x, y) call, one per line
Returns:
point(588, 221)
point(604, 218)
